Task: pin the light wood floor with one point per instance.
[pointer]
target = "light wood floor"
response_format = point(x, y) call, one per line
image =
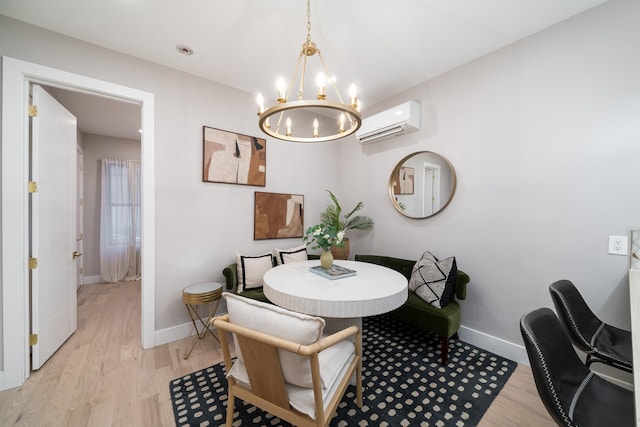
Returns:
point(102, 377)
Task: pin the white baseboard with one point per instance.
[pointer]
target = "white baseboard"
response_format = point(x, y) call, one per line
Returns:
point(90, 280)
point(515, 352)
point(173, 333)
point(179, 332)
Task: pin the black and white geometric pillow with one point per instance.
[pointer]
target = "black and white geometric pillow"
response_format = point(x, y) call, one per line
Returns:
point(434, 281)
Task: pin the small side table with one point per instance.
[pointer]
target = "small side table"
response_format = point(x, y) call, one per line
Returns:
point(209, 294)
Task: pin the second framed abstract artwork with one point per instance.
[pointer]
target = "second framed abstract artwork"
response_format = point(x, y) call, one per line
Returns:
point(404, 181)
point(278, 216)
point(233, 158)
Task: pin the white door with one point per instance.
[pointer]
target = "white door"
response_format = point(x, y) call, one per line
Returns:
point(427, 198)
point(53, 226)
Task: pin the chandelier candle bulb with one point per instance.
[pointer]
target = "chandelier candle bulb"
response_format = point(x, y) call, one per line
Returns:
point(341, 122)
point(288, 123)
point(260, 101)
point(315, 128)
point(280, 86)
point(352, 94)
point(322, 90)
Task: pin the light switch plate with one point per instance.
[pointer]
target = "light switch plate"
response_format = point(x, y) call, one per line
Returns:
point(618, 245)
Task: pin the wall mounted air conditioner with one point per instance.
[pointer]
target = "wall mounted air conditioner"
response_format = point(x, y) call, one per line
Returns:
point(395, 121)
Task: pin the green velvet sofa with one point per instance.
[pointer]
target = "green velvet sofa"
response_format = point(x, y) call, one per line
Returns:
point(445, 321)
point(415, 312)
point(230, 273)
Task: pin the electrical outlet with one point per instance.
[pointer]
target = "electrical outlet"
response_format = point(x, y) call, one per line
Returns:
point(618, 245)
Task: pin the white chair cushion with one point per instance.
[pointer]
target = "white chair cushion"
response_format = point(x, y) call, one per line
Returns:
point(285, 256)
point(273, 320)
point(333, 365)
point(251, 270)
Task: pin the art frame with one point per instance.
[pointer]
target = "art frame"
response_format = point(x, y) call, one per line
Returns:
point(405, 181)
point(233, 158)
point(278, 216)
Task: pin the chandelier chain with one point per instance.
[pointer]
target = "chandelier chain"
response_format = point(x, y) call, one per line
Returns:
point(308, 21)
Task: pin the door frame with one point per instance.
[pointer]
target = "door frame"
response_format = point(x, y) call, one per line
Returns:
point(17, 76)
point(80, 214)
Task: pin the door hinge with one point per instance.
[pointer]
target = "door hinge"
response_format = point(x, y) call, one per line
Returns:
point(33, 339)
point(81, 270)
point(33, 187)
point(33, 263)
point(33, 111)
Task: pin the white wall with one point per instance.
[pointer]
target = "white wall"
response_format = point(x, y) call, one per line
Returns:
point(97, 147)
point(544, 136)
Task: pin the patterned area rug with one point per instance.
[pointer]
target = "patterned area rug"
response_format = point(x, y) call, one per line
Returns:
point(404, 384)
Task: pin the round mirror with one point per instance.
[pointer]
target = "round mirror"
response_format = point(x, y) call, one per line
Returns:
point(422, 184)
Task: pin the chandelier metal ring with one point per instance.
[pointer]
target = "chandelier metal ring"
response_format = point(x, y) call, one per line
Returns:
point(352, 119)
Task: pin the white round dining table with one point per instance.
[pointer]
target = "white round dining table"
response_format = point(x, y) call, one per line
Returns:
point(374, 289)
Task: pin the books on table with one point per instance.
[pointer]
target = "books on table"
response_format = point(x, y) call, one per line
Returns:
point(335, 272)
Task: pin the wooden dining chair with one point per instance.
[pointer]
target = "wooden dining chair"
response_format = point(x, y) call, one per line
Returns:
point(284, 364)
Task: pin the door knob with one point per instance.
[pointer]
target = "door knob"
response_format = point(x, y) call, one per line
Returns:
point(76, 254)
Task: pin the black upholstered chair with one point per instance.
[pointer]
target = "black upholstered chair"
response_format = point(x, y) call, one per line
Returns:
point(572, 393)
point(601, 342)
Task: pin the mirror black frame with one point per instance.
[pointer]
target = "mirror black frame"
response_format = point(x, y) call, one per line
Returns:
point(396, 172)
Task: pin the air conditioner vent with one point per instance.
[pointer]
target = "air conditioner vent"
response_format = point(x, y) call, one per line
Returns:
point(399, 120)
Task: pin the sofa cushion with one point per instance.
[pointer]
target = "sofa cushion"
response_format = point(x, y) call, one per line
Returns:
point(285, 256)
point(434, 280)
point(251, 269)
point(255, 293)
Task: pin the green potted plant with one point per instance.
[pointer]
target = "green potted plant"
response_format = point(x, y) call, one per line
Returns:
point(325, 237)
point(333, 217)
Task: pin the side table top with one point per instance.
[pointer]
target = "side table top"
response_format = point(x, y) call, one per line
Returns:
point(202, 288)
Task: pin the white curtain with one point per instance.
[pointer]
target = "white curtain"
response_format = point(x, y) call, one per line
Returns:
point(120, 220)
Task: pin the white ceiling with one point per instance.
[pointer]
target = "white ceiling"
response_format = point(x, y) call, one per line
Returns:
point(383, 46)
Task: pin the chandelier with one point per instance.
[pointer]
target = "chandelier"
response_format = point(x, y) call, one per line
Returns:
point(309, 120)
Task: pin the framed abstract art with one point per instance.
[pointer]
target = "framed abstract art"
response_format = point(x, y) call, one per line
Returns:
point(278, 216)
point(404, 182)
point(233, 158)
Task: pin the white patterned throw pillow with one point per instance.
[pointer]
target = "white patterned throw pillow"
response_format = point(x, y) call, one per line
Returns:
point(285, 256)
point(251, 269)
point(434, 280)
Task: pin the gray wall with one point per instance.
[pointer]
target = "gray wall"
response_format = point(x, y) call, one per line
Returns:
point(97, 147)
